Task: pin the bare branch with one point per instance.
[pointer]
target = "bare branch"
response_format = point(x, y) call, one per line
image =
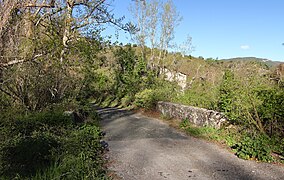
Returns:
point(17, 61)
point(9, 94)
point(49, 14)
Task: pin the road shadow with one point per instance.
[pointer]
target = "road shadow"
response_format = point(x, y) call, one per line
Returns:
point(121, 124)
point(147, 141)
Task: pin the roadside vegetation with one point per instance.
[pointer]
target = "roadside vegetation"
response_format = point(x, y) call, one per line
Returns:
point(250, 93)
point(50, 145)
point(53, 62)
point(245, 144)
point(48, 58)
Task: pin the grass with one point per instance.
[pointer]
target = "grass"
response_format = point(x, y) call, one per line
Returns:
point(50, 145)
point(244, 144)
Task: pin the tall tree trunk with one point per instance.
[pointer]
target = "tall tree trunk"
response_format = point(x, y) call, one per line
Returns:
point(67, 29)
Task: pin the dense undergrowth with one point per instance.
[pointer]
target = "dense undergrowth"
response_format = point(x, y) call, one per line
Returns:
point(50, 145)
point(251, 95)
point(245, 144)
point(47, 64)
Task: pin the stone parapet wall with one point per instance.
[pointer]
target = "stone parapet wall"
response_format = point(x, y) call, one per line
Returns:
point(197, 116)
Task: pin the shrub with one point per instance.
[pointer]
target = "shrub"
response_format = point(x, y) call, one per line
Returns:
point(26, 155)
point(271, 110)
point(145, 99)
point(248, 100)
point(184, 124)
point(88, 136)
point(126, 100)
point(27, 124)
point(258, 148)
point(198, 98)
point(49, 145)
point(80, 158)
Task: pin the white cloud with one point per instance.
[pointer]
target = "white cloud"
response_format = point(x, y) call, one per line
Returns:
point(245, 47)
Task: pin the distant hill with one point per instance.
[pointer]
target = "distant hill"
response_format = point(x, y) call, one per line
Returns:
point(268, 62)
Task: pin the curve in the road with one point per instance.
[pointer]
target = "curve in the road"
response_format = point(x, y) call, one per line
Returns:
point(146, 148)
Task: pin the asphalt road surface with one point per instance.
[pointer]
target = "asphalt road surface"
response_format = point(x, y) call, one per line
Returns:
point(147, 148)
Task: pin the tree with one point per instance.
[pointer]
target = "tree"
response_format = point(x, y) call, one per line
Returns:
point(40, 57)
point(152, 24)
point(156, 24)
point(76, 16)
point(186, 47)
point(170, 19)
point(139, 10)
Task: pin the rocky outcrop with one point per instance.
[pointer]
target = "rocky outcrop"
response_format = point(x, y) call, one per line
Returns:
point(197, 116)
point(175, 76)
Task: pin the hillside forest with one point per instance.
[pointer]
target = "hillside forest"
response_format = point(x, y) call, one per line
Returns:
point(55, 63)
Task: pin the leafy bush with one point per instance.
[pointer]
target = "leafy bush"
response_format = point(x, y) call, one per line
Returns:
point(258, 148)
point(88, 136)
point(129, 72)
point(198, 97)
point(126, 101)
point(49, 145)
point(27, 124)
point(165, 90)
point(249, 100)
point(245, 146)
point(201, 93)
point(271, 110)
point(145, 99)
point(26, 155)
point(148, 98)
point(227, 95)
point(73, 167)
point(80, 158)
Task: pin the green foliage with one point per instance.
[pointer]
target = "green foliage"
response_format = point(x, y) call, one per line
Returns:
point(26, 155)
point(203, 132)
point(126, 101)
point(199, 95)
point(258, 148)
point(160, 90)
point(271, 110)
point(145, 99)
point(50, 145)
point(165, 90)
point(227, 90)
point(73, 167)
point(92, 78)
point(184, 124)
point(243, 99)
point(246, 146)
point(80, 158)
point(229, 98)
point(39, 83)
point(130, 73)
point(26, 125)
point(126, 60)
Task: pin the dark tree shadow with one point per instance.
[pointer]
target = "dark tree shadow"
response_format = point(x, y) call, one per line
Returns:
point(27, 155)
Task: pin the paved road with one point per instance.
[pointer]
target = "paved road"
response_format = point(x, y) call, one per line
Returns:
point(146, 148)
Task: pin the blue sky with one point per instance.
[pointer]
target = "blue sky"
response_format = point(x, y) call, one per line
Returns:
point(226, 28)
